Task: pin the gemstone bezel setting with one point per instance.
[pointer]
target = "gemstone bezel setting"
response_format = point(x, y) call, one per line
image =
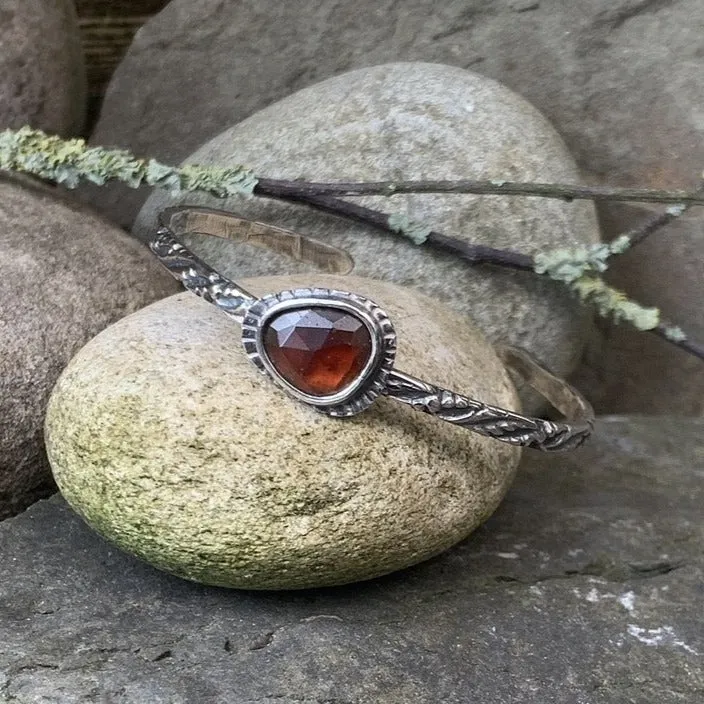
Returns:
point(361, 392)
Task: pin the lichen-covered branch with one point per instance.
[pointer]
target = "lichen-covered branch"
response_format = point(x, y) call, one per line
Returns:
point(69, 162)
point(612, 303)
point(417, 232)
point(473, 254)
point(570, 264)
point(657, 222)
point(578, 268)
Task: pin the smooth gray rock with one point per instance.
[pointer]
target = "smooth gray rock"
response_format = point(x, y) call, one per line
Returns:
point(420, 120)
point(65, 274)
point(584, 588)
point(42, 75)
point(620, 80)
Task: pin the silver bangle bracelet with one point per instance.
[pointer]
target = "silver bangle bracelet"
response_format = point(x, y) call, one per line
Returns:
point(334, 350)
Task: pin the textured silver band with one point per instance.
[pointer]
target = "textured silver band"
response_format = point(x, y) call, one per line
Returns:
point(248, 310)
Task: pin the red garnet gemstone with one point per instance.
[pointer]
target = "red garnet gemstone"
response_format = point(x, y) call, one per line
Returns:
point(318, 350)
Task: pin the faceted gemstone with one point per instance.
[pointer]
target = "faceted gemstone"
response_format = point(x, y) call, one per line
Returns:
point(318, 350)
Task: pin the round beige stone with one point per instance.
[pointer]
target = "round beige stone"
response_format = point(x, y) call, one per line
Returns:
point(165, 438)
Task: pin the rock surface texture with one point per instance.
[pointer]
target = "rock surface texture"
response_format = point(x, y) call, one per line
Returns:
point(419, 120)
point(584, 586)
point(65, 274)
point(164, 436)
point(621, 81)
point(42, 76)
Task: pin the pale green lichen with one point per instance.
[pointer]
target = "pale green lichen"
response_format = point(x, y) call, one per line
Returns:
point(69, 162)
point(612, 303)
point(619, 245)
point(571, 263)
point(676, 210)
point(579, 269)
point(675, 333)
point(414, 231)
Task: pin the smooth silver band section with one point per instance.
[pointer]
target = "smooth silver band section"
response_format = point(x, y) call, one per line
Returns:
point(498, 423)
point(200, 278)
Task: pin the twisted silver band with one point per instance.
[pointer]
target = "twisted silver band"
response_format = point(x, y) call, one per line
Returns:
point(379, 377)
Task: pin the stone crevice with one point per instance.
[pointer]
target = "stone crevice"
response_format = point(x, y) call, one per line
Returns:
point(616, 573)
point(616, 18)
point(86, 663)
point(610, 572)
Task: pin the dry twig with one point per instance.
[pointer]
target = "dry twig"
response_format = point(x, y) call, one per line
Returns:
point(495, 187)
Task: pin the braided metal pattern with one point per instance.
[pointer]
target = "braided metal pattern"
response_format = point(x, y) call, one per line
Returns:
point(498, 423)
point(198, 277)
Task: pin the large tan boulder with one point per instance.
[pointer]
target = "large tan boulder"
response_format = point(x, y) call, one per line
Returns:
point(170, 443)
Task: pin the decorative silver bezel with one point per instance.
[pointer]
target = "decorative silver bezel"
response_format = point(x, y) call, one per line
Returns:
point(370, 383)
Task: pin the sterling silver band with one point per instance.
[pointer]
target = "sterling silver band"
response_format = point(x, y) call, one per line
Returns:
point(378, 377)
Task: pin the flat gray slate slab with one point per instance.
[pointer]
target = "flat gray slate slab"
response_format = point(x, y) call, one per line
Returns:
point(585, 587)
